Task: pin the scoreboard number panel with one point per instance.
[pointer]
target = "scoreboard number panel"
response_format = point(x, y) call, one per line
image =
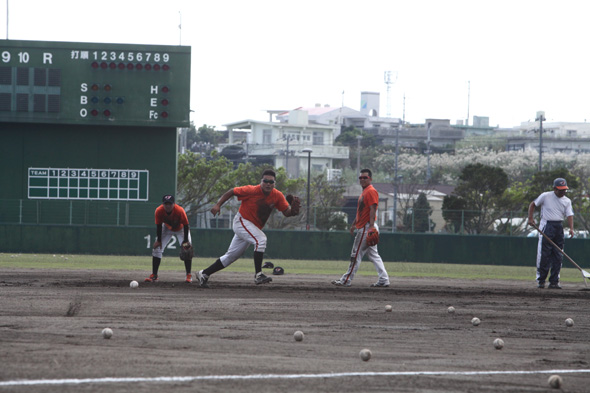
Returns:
point(89, 184)
point(93, 83)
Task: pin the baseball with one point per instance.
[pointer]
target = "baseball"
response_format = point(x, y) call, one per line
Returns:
point(298, 335)
point(475, 321)
point(388, 308)
point(451, 310)
point(569, 322)
point(107, 333)
point(498, 343)
point(555, 381)
point(365, 354)
point(134, 284)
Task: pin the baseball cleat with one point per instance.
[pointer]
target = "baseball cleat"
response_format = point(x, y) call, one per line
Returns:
point(261, 279)
point(380, 284)
point(554, 286)
point(541, 285)
point(152, 278)
point(189, 278)
point(339, 283)
point(203, 278)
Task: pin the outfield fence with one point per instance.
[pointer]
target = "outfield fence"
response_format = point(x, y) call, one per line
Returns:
point(129, 214)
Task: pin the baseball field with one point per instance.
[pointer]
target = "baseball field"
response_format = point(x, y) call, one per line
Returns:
point(237, 336)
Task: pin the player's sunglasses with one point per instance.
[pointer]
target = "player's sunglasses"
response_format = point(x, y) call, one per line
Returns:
point(268, 181)
point(363, 177)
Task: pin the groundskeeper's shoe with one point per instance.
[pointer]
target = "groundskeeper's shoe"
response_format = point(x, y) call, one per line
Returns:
point(203, 278)
point(152, 278)
point(261, 279)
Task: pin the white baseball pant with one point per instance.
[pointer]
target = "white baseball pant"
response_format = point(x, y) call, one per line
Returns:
point(359, 249)
point(166, 236)
point(245, 233)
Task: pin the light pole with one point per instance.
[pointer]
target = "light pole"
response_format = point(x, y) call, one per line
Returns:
point(358, 153)
point(428, 154)
point(395, 182)
point(308, 151)
point(540, 118)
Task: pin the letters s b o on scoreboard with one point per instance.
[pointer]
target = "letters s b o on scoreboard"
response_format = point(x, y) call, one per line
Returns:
point(93, 83)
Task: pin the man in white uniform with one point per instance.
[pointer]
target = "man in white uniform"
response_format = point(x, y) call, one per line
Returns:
point(555, 207)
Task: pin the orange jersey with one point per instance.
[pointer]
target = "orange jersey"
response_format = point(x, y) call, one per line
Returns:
point(368, 198)
point(175, 221)
point(256, 207)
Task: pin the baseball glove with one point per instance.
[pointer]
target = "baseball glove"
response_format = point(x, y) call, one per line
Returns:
point(295, 204)
point(186, 251)
point(372, 237)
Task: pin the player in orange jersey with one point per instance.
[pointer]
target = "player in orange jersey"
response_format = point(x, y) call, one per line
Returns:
point(170, 220)
point(257, 204)
point(366, 216)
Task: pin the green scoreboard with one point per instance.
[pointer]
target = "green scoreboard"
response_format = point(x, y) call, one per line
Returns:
point(90, 122)
point(91, 83)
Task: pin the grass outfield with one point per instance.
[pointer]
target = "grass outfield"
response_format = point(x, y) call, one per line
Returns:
point(291, 266)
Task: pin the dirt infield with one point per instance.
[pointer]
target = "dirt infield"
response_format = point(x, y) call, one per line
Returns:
point(239, 337)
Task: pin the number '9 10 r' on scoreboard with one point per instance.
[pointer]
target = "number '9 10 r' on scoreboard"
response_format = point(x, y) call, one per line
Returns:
point(93, 83)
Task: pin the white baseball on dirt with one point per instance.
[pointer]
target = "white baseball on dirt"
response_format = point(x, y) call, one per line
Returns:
point(365, 354)
point(569, 322)
point(298, 335)
point(498, 343)
point(475, 321)
point(107, 333)
point(555, 381)
point(451, 310)
point(133, 284)
point(388, 308)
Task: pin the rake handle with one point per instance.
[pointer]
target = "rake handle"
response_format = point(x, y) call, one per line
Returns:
point(556, 246)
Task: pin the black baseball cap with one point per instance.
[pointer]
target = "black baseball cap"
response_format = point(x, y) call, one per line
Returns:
point(168, 199)
point(560, 184)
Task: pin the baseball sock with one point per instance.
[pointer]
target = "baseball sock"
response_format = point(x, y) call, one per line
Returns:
point(258, 256)
point(156, 265)
point(215, 267)
point(188, 265)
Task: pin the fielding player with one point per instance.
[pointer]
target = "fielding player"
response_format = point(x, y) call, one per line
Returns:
point(364, 223)
point(170, 220)
point(257, 204)
point(555, 207)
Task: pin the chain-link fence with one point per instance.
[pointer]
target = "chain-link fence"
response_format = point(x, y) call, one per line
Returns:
point(103, 213)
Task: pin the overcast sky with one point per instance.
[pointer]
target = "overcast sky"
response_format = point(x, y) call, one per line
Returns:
point(518, 56)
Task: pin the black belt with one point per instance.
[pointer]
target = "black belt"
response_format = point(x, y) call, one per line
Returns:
point(555, 222)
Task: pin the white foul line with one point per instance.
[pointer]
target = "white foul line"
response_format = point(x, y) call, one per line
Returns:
point(30, 382)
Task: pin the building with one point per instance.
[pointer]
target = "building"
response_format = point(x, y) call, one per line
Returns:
point(558, 137)
point(285, 143)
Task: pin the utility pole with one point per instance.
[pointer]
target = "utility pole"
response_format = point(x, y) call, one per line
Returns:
point(358, 153)
point(540, 118)
point(428, 154)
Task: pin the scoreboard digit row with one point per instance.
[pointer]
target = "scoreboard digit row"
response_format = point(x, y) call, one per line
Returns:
point(90, 83)
point(90, 184)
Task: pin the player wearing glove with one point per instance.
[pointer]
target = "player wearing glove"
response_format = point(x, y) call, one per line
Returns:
point(257, 204)
point(367, 235)
point(171, 220)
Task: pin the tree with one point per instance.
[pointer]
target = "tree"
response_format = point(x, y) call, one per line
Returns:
point(327, 197)
point(481, 187)
point(202, 181)
point(419, 218)
point(454, 212)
